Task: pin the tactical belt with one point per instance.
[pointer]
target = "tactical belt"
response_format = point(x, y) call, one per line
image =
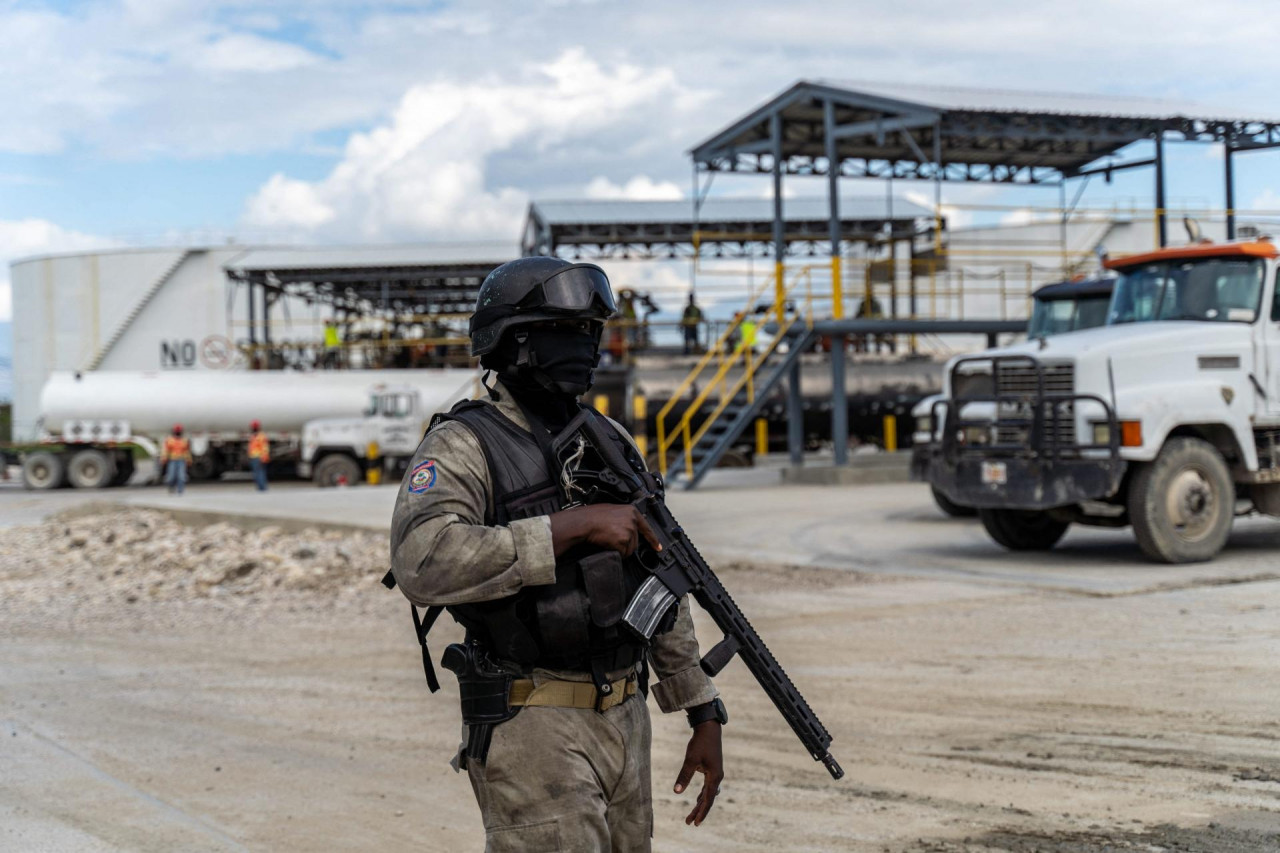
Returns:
point(571, 694)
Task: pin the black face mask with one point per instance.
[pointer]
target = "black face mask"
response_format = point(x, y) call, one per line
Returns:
point(566, 358)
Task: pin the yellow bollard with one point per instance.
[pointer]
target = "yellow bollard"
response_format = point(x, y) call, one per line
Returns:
point(601, 404)
point(639, 416)
point(890, 433)
point(762, 436)
point(373, 476)
point(837, 289)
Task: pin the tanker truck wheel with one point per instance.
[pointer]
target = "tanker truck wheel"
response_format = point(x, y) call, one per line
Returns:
point(205, 468)
point(335, 469)
point(90, 469)
point(124, 470)
point(950, 507)
point(43, 470)
point(1023, 529)
point(1182, 504)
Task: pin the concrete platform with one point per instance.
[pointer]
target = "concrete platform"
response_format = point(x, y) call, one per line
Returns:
point(863, 469)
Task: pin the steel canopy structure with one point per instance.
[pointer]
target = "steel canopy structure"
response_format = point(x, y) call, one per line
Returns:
point(940, 133)
point(947, 134)
point(955, 134)
point(719, 227)
point(410, 279)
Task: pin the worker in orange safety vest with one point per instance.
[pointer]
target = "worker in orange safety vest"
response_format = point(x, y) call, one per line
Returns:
point(175, 456)
point(259, 455)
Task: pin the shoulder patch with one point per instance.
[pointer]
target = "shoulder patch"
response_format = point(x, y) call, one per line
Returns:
point(423, 476)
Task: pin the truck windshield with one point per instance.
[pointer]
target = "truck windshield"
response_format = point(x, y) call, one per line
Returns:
point(1055, 316)
point(1206, 290)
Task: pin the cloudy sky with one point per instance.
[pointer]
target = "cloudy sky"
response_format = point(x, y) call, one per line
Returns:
point(147, 121)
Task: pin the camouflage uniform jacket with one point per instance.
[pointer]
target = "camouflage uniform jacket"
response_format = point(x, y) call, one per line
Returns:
point(443, 553)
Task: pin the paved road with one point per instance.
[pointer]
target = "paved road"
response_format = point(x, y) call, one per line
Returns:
point(890, 529)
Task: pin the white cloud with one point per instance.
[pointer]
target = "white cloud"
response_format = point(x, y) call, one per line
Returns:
point(1268, 200)
point(247, 52)
point(639, 188)
point(24, 237)
point(424, 174)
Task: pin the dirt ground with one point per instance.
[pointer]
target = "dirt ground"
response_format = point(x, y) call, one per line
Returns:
point(968, 716)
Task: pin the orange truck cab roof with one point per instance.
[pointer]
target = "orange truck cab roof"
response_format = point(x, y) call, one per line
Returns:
point(1251, 249)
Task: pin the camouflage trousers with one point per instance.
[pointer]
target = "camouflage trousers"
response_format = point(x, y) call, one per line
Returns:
point(565, 779)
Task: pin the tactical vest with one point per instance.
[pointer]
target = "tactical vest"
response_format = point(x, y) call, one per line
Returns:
point(574, 623)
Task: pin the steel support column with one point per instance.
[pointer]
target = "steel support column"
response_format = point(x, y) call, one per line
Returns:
point(253, 332)
point(833, 204)
point(1229, 181)
point(839, 402)
point(1161, 229)
point(795, 415)
point(779, 227)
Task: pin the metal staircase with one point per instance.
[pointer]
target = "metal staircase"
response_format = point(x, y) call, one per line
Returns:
point(137, 309)
point(741, 382)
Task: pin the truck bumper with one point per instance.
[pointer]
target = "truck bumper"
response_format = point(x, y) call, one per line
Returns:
point(1027, 483)
point(1025, 454)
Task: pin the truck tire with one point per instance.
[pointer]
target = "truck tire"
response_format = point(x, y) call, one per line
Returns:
point(90, 469)
point(334, 468)
point(124, 470)
point(43, 470)
point(1023, 529)
point(950, 507)
point(1182, 504)
point(204, 468)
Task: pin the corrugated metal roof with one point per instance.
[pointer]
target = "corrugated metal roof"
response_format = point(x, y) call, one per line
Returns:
point(720, 209)
point(1041, 103)
point(404, 255)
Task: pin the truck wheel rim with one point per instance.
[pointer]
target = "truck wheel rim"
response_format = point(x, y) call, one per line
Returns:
point(1191, 504)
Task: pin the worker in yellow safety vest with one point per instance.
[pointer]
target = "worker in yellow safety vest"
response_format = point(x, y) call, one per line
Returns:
point(175, 456)
point(332, 344)
point(259, 455)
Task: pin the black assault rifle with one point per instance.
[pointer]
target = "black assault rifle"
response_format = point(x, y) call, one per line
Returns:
point(594, 460)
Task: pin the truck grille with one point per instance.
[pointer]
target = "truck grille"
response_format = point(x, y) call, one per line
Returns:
point(1021, 381)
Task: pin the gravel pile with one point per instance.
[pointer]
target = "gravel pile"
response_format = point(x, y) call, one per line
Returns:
point(140, 555)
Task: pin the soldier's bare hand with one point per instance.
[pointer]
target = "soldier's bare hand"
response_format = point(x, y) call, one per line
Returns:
point(702, 755)
point(617, 527)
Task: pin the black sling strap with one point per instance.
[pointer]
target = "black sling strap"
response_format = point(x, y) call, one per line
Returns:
point(421, 626)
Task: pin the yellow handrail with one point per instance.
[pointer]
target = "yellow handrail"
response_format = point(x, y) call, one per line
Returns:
point(717, 348)
point(719, 381)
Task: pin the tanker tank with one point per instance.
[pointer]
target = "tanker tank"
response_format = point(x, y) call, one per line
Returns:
point(208, 402)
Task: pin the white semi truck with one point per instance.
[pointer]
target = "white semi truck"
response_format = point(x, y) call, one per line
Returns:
point(95, 424)
point(1167, 419)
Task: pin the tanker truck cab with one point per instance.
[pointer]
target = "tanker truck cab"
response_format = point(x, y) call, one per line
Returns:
point(1165, 419)
point(344, 450)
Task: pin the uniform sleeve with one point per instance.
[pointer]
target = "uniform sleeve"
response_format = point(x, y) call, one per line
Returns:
point(681, 682)
point(441, 550)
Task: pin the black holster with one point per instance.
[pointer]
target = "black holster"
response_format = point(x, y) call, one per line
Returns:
point(485, 690)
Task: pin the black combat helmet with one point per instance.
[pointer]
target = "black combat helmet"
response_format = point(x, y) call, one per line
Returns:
point(531, 290)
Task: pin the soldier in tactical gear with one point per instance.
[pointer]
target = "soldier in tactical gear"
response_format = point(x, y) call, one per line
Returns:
point(556, 741)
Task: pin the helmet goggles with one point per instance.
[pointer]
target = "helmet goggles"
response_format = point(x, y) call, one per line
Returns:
point(573, 288)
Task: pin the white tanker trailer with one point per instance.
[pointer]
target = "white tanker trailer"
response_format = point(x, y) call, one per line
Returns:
point(93, 425)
